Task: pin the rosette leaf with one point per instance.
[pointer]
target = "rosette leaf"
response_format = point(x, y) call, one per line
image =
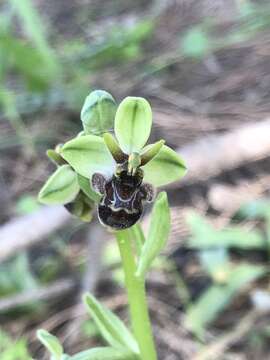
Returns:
point(133, 122)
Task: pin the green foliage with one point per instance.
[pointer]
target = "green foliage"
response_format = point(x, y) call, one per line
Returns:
point(258, 209)
point(16, 276)
point(195, 42)
point(26, 204)
point(104, 353)
point(61, 188)
point(34, 71)
point(157, 236)
point(228, 278)
point(13, 349)
point(202, 39)
point(205, 236)
point(218, 296)
point(33, 26)
point(133, 122)
point(98, 112)
point(51, 343)
point(110, 326)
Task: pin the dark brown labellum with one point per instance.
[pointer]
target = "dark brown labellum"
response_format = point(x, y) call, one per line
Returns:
point(121, 205)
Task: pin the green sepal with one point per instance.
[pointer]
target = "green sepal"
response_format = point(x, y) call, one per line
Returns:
point(85, 186)
point(166, 167)
point(114, 148)
point(61, 187)
point(113, 330)
point(157, 236)
point(55, 157)
point(133, 122)
point(51, 343)
point(98, 112)
point(150, 151)
point(87, 155)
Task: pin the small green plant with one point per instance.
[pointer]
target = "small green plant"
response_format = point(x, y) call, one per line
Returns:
point(118, 175)
point(228, 277)
point(13, 350)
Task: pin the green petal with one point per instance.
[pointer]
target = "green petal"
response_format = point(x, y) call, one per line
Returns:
point(61, 188)
point(88, 154)
point(166, 167)
point(150, 151)
point(133, 123)
point(98, 112)
point(114, 148)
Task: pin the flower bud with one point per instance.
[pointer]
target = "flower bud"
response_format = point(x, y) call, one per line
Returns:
point(55, 157)
point(82, 207)
point(98, 112)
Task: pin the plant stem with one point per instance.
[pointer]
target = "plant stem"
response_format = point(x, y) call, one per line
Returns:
point(137, 299)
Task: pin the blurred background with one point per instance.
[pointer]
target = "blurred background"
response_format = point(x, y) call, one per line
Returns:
point(205, 67)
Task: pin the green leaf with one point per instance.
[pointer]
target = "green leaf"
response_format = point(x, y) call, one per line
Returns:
point(33, 25)
point(87, 155)
point(133, 122)
point(98, 112)
point(217, 297)
point(61, 188)
point(34, 70)
point(205, 236)
point(166, 167)
point(110, 326)
point(150, 151)
point(157, 236)
point(104, 353)
point(51, 343)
